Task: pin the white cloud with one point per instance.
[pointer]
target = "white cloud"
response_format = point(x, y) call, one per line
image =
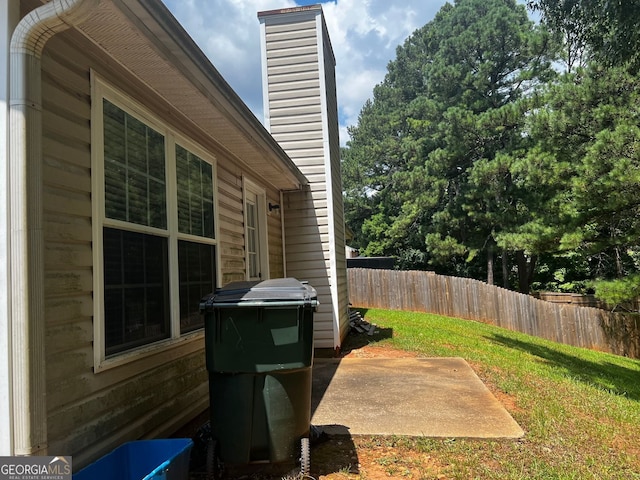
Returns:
point(364, 35)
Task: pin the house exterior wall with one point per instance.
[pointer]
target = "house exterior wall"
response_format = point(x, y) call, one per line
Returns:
point(302, 115)
point(275, 238)
point(90, 413)
point(332, 136)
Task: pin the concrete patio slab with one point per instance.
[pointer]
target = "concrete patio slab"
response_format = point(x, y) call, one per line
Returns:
point(432, 397)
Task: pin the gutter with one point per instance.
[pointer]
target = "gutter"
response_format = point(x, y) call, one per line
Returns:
point(25, 232)
point(9, 17)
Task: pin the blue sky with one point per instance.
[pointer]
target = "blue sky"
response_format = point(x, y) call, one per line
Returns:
point(364, 35)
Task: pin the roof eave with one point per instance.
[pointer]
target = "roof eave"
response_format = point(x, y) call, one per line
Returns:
point(156, 23)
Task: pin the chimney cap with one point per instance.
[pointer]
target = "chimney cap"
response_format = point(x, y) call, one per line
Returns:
point(285, 11)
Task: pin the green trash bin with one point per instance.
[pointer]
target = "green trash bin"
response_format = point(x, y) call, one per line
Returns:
point(259, 354)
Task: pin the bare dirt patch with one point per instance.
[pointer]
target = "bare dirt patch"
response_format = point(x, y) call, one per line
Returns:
point(372, 458)
point(376, 351)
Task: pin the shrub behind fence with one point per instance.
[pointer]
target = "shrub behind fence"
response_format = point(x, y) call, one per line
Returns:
point(418, 291)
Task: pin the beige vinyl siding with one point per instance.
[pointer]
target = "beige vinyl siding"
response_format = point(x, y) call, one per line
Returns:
point(274, 235)
point(231, 224)
point(89, 414)
point(294, 83)
point(336, 180)
point(67, 234)
point(308, 257)
point(295, 89)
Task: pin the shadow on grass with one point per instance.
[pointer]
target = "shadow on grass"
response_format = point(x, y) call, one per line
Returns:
point(607, 376)
point(355, 341)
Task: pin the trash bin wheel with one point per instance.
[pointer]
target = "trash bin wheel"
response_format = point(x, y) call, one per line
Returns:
point(305, 457)
point(214, 464)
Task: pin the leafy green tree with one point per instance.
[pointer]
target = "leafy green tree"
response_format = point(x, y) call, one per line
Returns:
point(605, 30)
point(432, 149)
point(620, 292)
point(585, 157)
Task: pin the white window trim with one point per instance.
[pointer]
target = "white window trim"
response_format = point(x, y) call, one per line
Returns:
point(261, 194)
point(100, 90)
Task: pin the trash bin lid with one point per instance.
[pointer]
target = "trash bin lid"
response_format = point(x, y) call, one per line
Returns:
point(274, 292)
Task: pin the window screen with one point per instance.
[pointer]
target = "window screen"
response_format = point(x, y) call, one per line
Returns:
point(134, 172)
point(195, 194)
point(197, 279)
point(136, 289)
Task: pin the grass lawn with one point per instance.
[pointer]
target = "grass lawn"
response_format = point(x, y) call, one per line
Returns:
point(580, 409)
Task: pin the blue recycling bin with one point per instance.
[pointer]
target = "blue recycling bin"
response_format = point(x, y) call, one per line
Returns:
point(162, 459)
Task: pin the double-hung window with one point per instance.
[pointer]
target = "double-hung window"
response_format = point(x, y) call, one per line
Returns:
point(154, 230)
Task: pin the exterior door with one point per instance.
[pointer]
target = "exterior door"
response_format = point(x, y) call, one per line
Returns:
point(255, 233)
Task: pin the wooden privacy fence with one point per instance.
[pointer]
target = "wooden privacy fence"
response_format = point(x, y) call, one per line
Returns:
point(586, 327)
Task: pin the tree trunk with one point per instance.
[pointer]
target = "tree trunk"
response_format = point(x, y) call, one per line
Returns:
point(619, 268)
point(490, 265)
point(505, 269)
point(526, 270)
point(532, 269)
